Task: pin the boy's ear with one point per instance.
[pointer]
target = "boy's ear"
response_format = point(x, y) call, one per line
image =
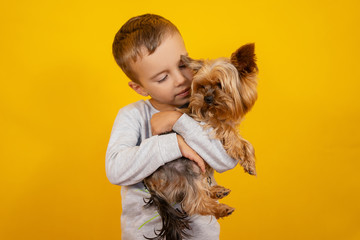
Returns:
point(138, 88)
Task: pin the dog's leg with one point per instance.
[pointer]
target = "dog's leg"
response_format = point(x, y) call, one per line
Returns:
point(248, 160)
point(210, 206)
point(223, 210)
point(198, 201)
point(219, 192)
point(241, 150)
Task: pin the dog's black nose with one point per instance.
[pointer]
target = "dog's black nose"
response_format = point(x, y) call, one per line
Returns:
point(208, 99)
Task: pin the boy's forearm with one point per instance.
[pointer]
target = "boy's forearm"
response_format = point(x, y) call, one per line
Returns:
point(127, 165)
point(131, 154)
point(211, 150)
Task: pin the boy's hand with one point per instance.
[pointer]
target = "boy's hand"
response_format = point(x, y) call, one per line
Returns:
point(189, 153)
point(163, 122)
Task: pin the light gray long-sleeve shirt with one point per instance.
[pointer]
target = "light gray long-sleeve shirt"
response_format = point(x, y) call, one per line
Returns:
point(133, 154)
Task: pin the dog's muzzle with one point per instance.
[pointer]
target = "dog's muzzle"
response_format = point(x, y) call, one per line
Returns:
point(208, 99)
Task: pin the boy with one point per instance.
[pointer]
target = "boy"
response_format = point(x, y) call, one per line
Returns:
point(148, 50)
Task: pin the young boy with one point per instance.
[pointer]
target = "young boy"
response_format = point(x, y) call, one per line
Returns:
point(148, 50)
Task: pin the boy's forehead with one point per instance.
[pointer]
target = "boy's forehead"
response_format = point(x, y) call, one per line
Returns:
point(172, 45)
point(166, 55)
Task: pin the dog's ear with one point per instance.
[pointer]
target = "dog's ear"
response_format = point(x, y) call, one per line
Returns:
point(195, 65)
point(244, 59)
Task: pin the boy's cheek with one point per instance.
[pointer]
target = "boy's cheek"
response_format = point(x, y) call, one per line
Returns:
point(188, 74)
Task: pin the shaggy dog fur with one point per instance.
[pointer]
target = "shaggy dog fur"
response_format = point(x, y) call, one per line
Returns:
point(223, 91)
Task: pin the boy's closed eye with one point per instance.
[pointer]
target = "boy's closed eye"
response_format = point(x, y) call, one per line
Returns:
point(163, 79)
point(181, 67)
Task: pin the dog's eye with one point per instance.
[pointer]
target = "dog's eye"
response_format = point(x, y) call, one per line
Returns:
point(219, 85)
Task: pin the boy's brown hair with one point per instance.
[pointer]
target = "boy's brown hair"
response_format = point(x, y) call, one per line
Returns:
point(147, 31)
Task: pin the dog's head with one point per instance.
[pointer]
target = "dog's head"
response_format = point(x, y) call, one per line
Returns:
point(223, 88)
point(214, 90)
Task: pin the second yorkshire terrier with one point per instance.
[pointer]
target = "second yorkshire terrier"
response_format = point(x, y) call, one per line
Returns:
point(223, 91)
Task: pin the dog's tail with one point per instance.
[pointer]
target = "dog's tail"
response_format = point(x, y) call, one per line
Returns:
point(174, 221)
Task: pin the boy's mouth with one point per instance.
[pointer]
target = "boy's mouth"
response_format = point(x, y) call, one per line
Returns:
point(184, 93)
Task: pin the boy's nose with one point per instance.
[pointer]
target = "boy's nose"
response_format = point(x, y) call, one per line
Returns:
point(179, 78)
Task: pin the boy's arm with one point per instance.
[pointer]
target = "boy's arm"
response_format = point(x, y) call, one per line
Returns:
point(128, 162)
point(196, 137)
point(208, 148)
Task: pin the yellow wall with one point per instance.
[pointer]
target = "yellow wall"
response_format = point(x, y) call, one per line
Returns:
point(61, 90)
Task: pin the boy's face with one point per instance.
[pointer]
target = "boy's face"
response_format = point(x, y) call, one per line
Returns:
point(162, 74)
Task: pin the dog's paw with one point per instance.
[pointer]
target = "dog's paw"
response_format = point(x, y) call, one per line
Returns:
point(224, 211)
point(219, 192)
point(229, 211)
point(251, 171)
point(223, 193)
point(249, 165)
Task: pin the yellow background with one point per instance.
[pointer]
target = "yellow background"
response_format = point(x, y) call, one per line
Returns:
point(61, 90)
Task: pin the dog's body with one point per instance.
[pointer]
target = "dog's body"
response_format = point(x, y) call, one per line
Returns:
point(223, 91)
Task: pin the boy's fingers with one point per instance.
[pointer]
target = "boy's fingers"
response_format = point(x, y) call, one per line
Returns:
point(192, 155)
point(200, 162)
point(189, 153)
point(202, 165)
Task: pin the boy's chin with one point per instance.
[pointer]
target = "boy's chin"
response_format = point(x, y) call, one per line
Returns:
point(183, 101)
point(185, 105)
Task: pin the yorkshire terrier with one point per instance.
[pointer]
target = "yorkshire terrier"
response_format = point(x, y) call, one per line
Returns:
point(223, 91)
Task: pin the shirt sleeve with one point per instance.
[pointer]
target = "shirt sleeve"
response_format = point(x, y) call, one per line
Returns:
point(198, 138)
point(128, 159)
